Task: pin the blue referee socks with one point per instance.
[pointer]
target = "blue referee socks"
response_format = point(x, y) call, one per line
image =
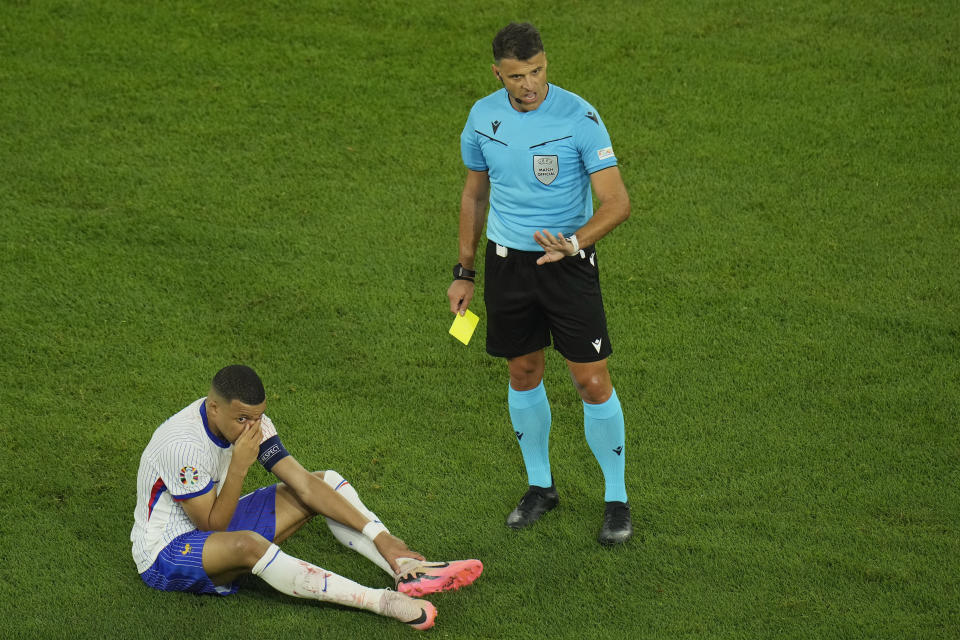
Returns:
point(530, 415)
point(603, 427)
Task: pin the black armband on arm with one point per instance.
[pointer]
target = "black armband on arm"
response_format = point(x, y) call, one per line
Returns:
point(272, 451)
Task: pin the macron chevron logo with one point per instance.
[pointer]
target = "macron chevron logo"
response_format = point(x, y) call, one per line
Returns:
point(519, 435)
point(596, 344)
point(618, 450)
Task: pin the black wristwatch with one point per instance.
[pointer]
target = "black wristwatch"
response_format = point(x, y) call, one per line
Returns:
point(462, 273)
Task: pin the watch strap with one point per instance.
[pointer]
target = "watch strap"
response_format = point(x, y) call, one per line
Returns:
point(462, 273)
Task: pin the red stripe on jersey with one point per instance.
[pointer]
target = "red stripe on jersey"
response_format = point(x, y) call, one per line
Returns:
point(158, 488)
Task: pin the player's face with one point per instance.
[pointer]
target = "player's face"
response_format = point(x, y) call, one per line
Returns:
point(525, 80)
point(231, 419)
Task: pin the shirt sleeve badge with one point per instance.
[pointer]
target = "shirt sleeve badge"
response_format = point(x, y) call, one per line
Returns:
point(189, 476)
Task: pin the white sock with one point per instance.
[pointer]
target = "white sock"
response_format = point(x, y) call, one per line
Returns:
point(301, 579)
point(351, 538)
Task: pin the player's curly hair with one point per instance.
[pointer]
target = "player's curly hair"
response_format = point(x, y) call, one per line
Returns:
point(517, 41)
point(239, 382)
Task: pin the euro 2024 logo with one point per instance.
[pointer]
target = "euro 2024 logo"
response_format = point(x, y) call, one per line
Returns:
point(189, 476)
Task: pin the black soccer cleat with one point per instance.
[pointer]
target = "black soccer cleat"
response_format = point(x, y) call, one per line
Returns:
point(617, 526)
point(534, 503)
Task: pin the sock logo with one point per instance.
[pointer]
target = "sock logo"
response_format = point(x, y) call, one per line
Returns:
point(519, 435)
point(596, 344)
point(618, 450)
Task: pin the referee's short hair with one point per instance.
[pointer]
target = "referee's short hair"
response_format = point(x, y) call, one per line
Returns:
point(239, 382)
point(518, 41)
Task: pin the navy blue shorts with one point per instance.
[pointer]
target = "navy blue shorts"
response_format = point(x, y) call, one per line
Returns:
point(179, 567)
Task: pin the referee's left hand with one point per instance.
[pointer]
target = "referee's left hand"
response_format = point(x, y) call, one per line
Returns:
point(556, 247)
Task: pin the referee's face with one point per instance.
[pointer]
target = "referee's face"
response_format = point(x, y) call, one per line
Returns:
point(524, 80)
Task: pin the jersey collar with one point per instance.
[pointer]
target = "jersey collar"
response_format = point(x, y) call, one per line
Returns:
point(220, 442)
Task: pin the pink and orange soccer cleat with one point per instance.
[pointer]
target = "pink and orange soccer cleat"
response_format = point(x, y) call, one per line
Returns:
point(422, 578)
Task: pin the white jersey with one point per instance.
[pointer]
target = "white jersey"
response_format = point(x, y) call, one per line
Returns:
point(183, 460)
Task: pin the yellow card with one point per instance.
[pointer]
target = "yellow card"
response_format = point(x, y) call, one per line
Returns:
point(463, 326)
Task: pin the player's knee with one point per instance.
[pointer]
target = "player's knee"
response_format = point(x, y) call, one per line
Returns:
point(249, 547)
point(331, 477)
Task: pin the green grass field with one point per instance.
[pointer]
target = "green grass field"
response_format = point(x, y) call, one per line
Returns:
point(184, 185)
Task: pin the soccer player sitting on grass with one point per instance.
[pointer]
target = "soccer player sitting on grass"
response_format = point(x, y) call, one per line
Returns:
point(194, 532)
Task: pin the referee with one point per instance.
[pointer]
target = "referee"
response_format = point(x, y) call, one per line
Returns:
point(537, 154)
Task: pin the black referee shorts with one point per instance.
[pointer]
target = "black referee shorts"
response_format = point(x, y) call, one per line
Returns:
point(527, 304)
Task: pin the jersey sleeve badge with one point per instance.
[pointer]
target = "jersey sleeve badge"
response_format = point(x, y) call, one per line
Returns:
point(189, 476)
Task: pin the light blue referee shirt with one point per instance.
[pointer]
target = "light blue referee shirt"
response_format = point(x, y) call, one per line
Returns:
point(539, 163)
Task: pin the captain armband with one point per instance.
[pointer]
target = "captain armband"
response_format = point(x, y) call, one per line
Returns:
point(272, 451)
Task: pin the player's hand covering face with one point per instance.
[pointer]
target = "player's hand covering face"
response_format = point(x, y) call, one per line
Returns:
point(232, 419)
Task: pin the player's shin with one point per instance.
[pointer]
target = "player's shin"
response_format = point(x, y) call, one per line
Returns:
point(301, 579)
point(348, 537)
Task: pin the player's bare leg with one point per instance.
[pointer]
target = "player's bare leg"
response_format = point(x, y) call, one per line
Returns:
point(227, 555)
point(291, 512)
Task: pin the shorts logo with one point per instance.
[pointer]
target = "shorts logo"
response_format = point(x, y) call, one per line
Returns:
point(596, 344)
point(189, 476)
point(546, 168)
point(603, 154)
point(186, 549)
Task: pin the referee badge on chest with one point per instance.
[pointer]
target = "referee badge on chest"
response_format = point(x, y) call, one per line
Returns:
point(546, 168)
